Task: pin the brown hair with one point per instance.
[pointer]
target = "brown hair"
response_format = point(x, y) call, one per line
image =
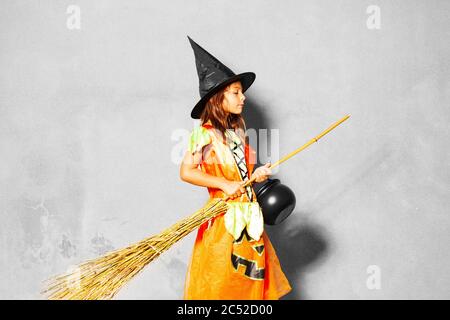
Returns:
point(221, 119)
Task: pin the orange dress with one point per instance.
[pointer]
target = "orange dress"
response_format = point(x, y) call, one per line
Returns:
point(233, 257)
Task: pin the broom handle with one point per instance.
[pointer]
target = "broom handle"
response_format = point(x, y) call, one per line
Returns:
point(293, 153)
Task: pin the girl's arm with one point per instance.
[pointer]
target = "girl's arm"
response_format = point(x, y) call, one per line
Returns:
point(189, 172)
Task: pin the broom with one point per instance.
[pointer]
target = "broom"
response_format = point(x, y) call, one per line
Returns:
point(102, 278)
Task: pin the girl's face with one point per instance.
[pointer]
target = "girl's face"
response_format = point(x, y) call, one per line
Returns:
point(233, 101)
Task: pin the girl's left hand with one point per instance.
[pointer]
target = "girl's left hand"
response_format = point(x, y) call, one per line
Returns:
point(262, 173)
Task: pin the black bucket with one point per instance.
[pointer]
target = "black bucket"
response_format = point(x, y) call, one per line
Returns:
point(276, 200)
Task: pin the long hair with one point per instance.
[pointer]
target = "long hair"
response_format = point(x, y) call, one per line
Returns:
point(222, 120)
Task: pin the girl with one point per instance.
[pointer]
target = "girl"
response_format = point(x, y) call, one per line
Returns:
point(232, 257)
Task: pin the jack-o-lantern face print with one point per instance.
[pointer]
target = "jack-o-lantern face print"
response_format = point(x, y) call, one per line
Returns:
point(248, 257)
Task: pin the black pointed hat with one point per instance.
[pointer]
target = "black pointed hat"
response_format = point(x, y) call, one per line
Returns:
point(213, 76)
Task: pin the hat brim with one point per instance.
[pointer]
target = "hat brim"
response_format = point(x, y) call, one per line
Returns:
point(246, 79)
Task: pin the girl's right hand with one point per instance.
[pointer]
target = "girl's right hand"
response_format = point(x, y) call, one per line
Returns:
point(233, 188)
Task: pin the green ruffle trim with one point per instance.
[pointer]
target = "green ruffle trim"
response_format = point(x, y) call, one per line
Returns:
point(242, 215)
point(198, 139)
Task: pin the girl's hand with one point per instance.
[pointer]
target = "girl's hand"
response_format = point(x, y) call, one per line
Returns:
point(262, 173)
point(233, 189)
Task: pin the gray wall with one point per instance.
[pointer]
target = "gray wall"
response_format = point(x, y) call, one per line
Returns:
point(93, 122)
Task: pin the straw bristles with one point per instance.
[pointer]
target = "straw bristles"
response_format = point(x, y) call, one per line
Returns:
point(101, 278)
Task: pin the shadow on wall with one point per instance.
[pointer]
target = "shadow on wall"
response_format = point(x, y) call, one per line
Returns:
point(299, 246)
point(255, 119)
point(302, 245)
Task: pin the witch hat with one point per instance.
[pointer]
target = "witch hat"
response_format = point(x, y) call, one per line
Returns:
point(213, 76)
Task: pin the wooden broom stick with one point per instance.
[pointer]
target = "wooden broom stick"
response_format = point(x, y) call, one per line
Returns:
point(293, 153)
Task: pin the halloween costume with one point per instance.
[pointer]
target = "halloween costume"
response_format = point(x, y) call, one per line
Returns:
point(233, 257)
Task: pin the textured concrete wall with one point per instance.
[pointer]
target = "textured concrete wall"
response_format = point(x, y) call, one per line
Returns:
point(93, 122)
